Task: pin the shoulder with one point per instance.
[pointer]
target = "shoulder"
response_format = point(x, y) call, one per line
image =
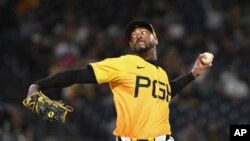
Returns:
point(111, 62)
point(132, 59)
point(115, 59)
point(122, 61)
point(124, 58)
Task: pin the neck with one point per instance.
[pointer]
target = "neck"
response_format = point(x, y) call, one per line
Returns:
point(149, 55)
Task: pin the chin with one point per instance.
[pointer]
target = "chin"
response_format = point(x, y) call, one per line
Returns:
point(141, 50)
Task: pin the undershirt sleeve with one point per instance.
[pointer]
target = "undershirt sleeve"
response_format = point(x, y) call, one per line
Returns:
point(68, 78)
point(179, 83)
point(86, 75)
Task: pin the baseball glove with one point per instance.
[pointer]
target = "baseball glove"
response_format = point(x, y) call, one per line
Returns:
point(46, 108)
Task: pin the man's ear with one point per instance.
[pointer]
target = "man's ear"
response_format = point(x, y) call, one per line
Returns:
point(153, 39)
point(156, 40)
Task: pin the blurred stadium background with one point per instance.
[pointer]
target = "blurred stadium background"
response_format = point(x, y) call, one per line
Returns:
point(41, 37)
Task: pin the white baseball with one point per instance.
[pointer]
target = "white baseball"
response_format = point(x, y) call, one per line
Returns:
point(208, 59)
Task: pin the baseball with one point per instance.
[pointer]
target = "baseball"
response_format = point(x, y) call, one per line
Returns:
point(208, 59)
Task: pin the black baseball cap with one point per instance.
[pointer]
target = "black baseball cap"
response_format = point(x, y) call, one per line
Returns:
point(135, 24)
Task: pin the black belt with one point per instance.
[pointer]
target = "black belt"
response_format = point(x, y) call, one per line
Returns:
point(167, 137)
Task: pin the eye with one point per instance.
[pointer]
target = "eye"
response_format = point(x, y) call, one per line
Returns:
point(133, 36)
point(144, 32)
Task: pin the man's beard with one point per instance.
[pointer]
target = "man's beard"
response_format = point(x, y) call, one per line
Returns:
point(140, 50)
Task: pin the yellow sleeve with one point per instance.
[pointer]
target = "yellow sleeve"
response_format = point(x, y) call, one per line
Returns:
point(108, 70)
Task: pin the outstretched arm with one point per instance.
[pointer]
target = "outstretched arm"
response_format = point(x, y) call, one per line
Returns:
point(64, 79)
point(198, 69)
point(179, 83)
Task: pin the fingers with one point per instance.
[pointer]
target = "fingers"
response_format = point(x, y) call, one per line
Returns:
point(200, 67)
point(34, 88)
point(202, 56)
point(206, 65)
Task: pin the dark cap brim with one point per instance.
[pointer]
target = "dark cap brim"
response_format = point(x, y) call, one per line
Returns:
point(135, 24)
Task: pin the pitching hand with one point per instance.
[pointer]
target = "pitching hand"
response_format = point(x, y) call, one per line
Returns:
point(200, 67)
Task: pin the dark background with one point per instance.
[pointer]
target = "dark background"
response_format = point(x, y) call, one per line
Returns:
point(42, 37)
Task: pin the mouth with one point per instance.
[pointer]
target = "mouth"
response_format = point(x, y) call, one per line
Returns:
point(141, 43)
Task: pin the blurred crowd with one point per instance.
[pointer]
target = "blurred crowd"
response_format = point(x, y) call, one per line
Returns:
point(42, 37)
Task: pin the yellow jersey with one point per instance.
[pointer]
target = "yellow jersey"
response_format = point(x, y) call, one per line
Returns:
point(141, 94)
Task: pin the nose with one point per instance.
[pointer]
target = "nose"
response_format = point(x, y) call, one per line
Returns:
point(139, 36)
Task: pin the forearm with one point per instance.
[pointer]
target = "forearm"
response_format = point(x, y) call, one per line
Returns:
point(67, 78)
point(179, 83)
